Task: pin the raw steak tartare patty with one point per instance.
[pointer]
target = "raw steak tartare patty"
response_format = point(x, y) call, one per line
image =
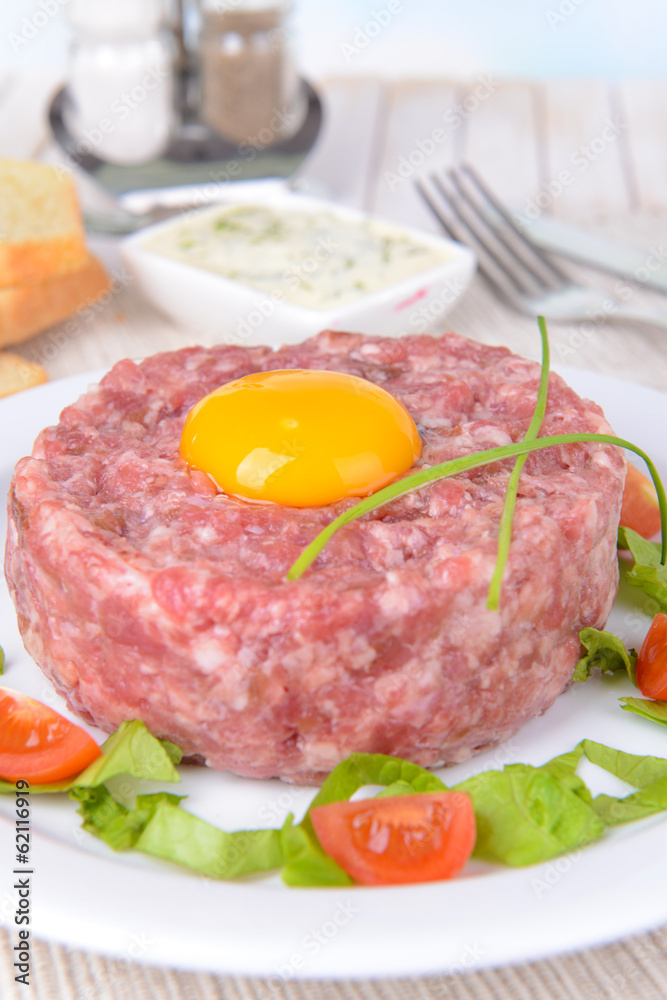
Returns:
point(143, 593)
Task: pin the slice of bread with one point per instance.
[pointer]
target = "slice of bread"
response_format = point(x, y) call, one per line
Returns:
point(16, 373)
point(29, 309)
point(41, 232)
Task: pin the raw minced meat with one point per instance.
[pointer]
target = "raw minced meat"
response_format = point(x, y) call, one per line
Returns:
point(143, 593)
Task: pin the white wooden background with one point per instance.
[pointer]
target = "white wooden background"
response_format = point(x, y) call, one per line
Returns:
point(519, 135)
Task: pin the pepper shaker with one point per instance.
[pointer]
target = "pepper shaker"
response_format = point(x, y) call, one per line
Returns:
point(251, 93)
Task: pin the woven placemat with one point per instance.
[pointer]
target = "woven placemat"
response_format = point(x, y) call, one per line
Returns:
point(633, 969)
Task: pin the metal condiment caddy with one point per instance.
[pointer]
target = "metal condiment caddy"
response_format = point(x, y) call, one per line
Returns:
point(203, 91)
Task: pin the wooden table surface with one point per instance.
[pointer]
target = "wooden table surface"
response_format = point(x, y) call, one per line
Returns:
point(524, 138)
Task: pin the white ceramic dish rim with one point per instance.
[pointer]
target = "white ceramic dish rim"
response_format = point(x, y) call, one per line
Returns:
point(259, 928)
point(460, 254)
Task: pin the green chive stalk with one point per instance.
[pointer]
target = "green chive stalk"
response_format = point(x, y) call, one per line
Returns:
point(507, 516)
point(519, 450)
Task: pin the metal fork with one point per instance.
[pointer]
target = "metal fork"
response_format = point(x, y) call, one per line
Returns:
point(520, 273)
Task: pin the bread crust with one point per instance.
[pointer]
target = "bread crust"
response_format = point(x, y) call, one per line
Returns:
point(28, 309)
point(16, 373)
point(41, 229)
point(37, 261)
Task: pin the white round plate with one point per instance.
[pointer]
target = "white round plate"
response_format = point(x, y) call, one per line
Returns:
point(140, 909)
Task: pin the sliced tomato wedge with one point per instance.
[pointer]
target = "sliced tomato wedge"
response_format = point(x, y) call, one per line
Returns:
point(640, 510)
point(652, 660)
point(39, 745)
point(403, 838)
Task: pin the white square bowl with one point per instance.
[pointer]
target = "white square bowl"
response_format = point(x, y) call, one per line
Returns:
point(235, 313)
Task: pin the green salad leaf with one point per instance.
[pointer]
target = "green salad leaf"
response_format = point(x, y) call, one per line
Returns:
point(641, 549)
point(361, 769)
point(156, 825)
point(131, 750)
point(564, 768)
point(649, 571)
point(103, 816)
point(2, 661)
point(648, 774)
point(176, 835)
point(112, 822)
point(656, 711)
point(396, 788)
point(646, 802)
point(306, 863)
point(526, 815)
point(636, 770)
point(565, 765)
point(605, 651)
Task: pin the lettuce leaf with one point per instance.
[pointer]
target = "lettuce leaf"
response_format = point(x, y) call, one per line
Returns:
point(131, 751)
point(647, 572)
point(642, 550)
point(654, 710)
point(175, 835)
point(159, 827)
point(564, 767)
point(640, 772)
point(112, 822)
point(605, 651)
point(361, 769)
point(306, 863)
point(649, 774)
point(396, 788)
point(646, 802)
point(526, 815)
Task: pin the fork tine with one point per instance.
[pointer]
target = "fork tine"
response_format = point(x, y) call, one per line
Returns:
point(531, 278)
point(520, 244)
point(458, 230)
point(521, 277)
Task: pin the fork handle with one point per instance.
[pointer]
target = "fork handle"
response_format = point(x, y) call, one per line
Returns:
point(639, 314)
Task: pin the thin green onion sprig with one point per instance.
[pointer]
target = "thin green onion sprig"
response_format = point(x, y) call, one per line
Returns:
point(507, 516)
point(463, 464)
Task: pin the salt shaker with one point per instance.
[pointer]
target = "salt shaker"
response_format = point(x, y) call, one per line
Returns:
point(251, 93)
point(120, 86)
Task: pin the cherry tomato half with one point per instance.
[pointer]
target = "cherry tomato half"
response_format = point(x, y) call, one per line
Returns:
point(39, 745)
point(403, 838)
point(640, 510)
point(652, 660)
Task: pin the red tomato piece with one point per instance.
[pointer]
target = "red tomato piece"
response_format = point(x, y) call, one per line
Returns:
point(640, 510)
point(403, 838)
point(39, 745)
point(652, 660)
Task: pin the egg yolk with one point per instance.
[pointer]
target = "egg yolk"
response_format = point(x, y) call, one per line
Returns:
point(299, 437)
